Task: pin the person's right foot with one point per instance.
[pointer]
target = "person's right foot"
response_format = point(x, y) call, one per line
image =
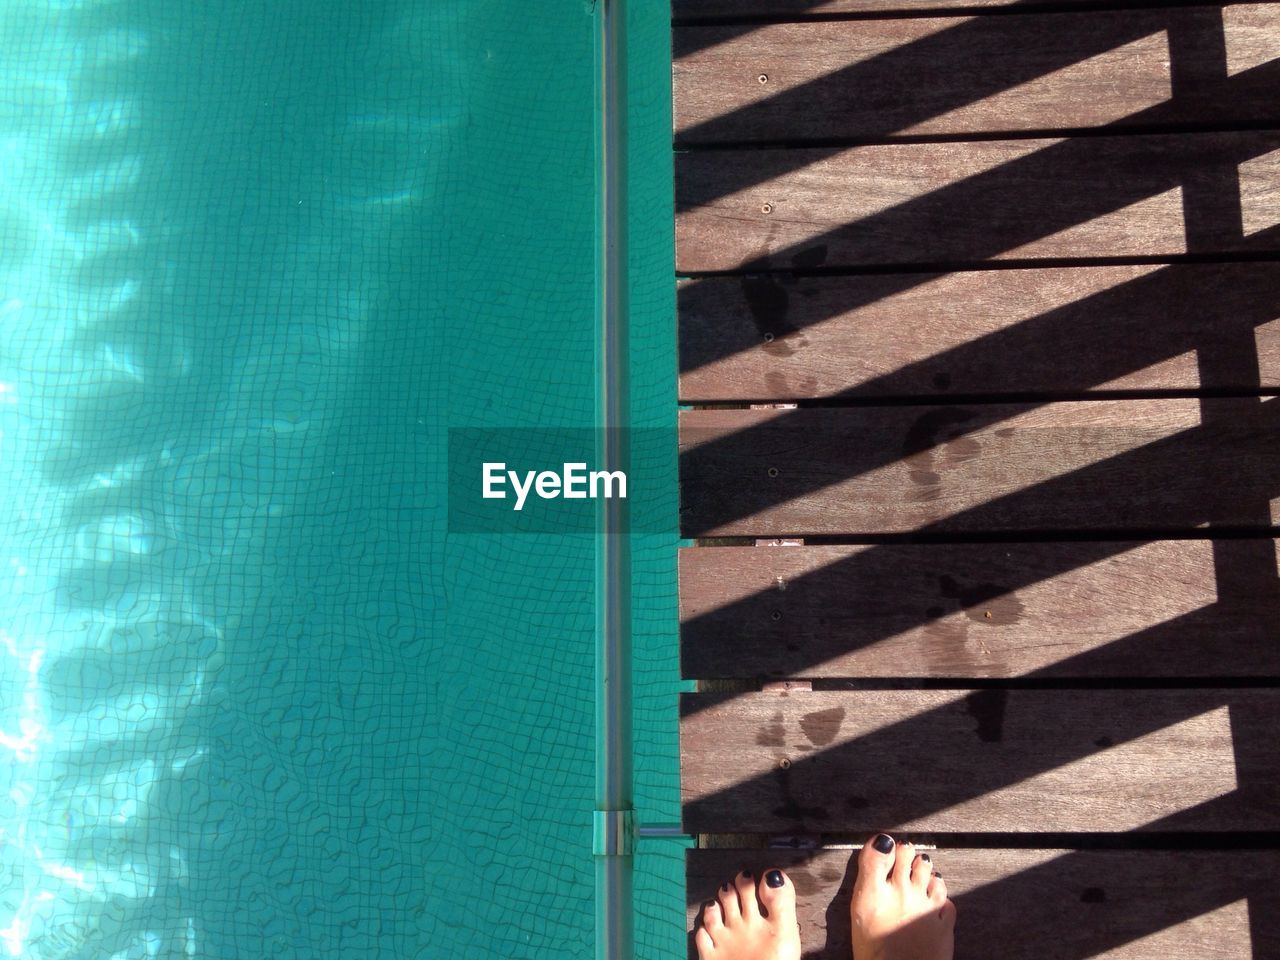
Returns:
point(900, 909)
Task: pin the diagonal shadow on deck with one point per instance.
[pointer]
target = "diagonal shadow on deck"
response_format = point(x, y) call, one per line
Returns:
point(1211, 207)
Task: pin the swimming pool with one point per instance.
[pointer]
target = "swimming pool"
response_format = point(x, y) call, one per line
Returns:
point(256, 697)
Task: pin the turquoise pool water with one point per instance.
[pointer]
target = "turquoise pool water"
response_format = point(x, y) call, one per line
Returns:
point(256, 697)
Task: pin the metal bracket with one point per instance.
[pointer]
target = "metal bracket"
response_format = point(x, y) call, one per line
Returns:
point(793, 843)
point(612, 833)
point(661, 831)
point(786, 686)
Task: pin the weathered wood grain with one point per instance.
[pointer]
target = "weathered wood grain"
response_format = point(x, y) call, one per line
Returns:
point(1040, 330)
point(965, 202)
point(986, 761)
point(715, 10)
point(1133, 465)
point(862, 80)
point(1066, 904)
point(1095, 609)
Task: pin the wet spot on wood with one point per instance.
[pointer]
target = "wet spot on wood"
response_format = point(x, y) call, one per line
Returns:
point(1001, 610)
point(853, 802)
point(1104, 742)
point(927, 491)
point(934, 427)
point(961, 450)
point(813, 257)
point(987, 707)
point(988, 603)
point(920, 451)
point(768, 303)
point(773, 733)
point(791, 808)
point(1093, 895)
point(821, 726)
point(788, 347)
point(947, 631)
point(942, 381)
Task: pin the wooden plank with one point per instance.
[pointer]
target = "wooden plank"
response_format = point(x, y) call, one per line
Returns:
point(864, 80)
point(990, 761)
point(1069, 329)
point(1133, 465)
point(1143, 905)
point(703, 11)
point(965, 202)
point(1095, 609)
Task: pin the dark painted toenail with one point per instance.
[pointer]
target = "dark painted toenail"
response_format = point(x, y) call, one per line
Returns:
point(747, 874)
point(883, 843)
point(774, 878)
point(725, 886)
point(924, 858)
point(709, 904)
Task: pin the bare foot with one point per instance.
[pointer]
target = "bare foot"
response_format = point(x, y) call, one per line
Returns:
point(900, 909)
point(734, 927)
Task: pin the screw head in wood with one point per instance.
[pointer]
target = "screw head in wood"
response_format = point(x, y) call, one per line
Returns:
point(763, 78)
point(772, 471)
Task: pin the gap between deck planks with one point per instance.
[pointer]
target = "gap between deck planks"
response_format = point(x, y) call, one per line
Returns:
point(1133, 465)
point(985, 332)
point(966, 202)
point(872, 79)
point(988, 761)
point(1001, 610)
point(1044, 904)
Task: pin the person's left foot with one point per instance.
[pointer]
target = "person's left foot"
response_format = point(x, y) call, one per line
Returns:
point(746, 922)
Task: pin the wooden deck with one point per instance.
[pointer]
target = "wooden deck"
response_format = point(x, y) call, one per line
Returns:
point(979, 321)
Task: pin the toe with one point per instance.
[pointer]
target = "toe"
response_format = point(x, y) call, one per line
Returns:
point(778, 895)
point(746, 884)
point(921, 872)
point(901, 872)
point(711, 918)
point(729, 908)
point(876, 859)
point(706, 946)
point(948, 915)
point(937, 890)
